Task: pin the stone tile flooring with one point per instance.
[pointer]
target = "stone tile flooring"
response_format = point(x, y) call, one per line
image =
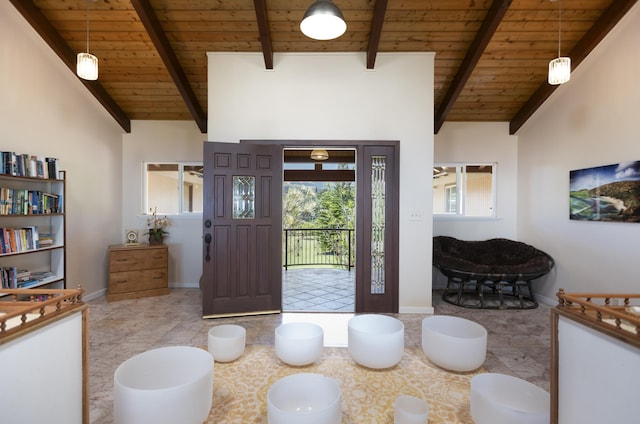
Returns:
point(318, 290)
point(518, 342)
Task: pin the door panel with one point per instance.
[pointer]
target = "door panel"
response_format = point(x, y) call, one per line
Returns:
point(242, 260)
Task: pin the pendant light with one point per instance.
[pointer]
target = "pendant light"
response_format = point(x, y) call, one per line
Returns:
point(87, 64)
point(323, 21)
point(319, 154)
point(560, 67)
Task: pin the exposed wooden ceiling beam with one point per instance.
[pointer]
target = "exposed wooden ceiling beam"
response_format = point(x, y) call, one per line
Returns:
point(376, 30)
point(43, 27)
point(330, 175)
point(156, 33)
point(265, 35)
point(598, 31)
point(474, 53)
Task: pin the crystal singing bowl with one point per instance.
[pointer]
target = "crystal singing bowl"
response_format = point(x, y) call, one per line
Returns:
point(453, 343)
point(304, 398)
point(503, 399)
point(168, 385)
point(226, 342)
point(410, 410)
point(376, 341)
point(299, 343)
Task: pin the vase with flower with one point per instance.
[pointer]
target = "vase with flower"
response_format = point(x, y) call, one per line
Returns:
point(157, 227)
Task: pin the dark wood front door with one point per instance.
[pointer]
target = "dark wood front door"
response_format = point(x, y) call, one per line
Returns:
point(242, 229)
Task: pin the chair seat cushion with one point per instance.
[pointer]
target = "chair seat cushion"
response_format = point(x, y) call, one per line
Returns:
point(496, 256)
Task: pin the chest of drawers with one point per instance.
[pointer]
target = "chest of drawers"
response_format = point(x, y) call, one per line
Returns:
point(138, 271)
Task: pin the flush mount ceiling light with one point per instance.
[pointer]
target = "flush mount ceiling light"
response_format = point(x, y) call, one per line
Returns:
point(560, 67)
point(323, 21)
point(319, 154)
point(87, 64)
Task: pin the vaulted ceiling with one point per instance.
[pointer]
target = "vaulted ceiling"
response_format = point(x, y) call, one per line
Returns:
point(491, 56)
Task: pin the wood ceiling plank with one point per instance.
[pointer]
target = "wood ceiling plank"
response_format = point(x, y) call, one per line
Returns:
point(480, 42)
point(516, 56)
point(148, 17)
point(44, 28)
point(600, 29)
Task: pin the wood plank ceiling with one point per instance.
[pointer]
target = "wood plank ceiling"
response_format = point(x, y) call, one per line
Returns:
point(490, 65)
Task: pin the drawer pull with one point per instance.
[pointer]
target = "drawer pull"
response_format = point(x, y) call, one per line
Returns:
point(158, 257)
point(121, 281)
point(158, 278)
point(122, 260)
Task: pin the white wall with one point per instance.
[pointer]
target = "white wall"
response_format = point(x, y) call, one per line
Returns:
point(333, 96)
point(163, 141)
point(45, 110)
point(480, 142)
point(593, 120)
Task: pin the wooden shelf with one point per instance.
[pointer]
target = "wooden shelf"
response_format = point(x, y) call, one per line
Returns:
point(51, 257)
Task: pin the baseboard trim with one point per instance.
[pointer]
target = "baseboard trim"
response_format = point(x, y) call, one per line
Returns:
point(547, 301)
point(184, 285)
point(94, 295)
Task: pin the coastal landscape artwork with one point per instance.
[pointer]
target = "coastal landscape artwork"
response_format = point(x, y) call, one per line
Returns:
point(605, 193)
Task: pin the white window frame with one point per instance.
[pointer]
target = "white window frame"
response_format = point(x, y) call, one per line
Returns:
point(461, 189)
point(181, 166)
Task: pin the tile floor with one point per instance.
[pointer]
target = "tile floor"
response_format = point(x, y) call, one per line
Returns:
point(518, 342)
point(300, 290)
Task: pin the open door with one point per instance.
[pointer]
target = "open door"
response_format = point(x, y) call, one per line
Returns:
point(242, 229)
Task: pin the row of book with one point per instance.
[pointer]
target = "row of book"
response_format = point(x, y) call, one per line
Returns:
point(28, 202)
point(14, 240)
point(13, 278)
point(26, 165)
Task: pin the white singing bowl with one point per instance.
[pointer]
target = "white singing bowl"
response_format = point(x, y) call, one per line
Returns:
point(503, 399)
point(453, 343)
point(168, 385)
point(410, 410)
point(226, 342)
point(299, 343)
point(304, 398)
point(375, 341)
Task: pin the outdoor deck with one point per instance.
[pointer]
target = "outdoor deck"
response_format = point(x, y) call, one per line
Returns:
point(318, 290)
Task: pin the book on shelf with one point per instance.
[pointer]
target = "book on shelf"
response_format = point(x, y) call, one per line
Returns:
point(28, 202)
point(13, 240)
point(13, 278)
point(26, 165)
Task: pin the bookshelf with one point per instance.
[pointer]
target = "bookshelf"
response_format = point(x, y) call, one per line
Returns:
point(32, 231)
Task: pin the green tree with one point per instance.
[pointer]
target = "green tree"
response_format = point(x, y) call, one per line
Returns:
point(336, 211)
point(299, 206)
point(336, 206)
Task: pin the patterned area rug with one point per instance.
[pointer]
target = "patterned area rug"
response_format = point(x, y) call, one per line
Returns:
point(240, 387)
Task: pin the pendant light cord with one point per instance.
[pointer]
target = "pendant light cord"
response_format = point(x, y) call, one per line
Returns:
point(559, 25)
point(87, 26)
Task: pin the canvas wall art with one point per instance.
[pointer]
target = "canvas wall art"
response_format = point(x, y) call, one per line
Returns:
point(605, 193)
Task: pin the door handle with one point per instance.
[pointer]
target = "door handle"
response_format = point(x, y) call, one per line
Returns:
point(207, 243)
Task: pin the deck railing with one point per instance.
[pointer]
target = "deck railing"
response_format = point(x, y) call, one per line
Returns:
point(319, 246)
